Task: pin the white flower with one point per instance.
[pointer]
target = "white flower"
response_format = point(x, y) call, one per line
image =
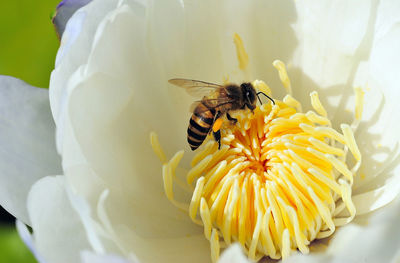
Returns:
point(109, 90)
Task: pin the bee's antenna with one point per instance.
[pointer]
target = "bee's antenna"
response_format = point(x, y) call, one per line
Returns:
point(273, 102)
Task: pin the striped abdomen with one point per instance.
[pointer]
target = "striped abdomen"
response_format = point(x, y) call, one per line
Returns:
point(199, 126)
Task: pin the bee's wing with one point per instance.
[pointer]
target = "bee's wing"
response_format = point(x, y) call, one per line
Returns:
point(211, 103)
point(196, 88)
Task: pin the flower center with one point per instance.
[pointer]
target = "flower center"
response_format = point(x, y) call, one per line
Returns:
point(277, 183)
point(279, 180)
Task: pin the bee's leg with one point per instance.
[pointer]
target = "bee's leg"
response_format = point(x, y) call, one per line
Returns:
point(217, 128)
point(217, 137)
point(230, 118)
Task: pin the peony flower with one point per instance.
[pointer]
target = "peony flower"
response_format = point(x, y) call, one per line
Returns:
point(109, 90)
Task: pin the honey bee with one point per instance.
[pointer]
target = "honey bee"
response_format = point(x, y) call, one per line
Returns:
point(217, 100)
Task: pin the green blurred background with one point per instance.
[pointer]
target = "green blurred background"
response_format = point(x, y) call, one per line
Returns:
point(28, 42)
point(28, 46)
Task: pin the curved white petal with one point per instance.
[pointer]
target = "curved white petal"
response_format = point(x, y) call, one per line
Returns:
point(266, 28)
point(332, 42)
point(381, 196)
point(27, 238)
point(378, 134)
point(28, 150)
point(121, 129)
point(58, 232)
point(74, 49)
point(90, 257)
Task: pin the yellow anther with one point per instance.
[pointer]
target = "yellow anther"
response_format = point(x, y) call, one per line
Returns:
point(205, 216)
point(317, 105)
point(262, 86)
point(194, 204)
point(242, 56)
point(280, 66)
point(285, 244)
point(292, 102)
point(359, 104)
point(157, 148)
point(214, 241)
point(351, 141)
point(312, 116)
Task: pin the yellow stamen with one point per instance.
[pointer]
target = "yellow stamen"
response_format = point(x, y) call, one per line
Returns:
point(280, 66)
point(316, 103)
point(262, 86)
point(194, 204)
point(292, 102)
point(350, 141)
point(242, 56)
point(214, 245)
point(285, 244)
point(157, 148)
point(359, 102)
point(313, 117)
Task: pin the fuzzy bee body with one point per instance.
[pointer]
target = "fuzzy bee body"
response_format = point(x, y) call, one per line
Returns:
point(200, 125)
point(218, 100)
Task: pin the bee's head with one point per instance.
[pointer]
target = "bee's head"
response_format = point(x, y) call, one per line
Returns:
point(249, 95)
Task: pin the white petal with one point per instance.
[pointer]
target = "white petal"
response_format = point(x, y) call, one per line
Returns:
point(74, 50)
point(27, 238)
point(266, 30)
point(119, 150)
point(233, 254)
point(168, 46)
point(90, 257)
point(199, 53)
point(27, 142)
point(327, 56)
point(378, 134)
point(172, 248)
point(381, 196)
point(58, 232)
point(92, 227)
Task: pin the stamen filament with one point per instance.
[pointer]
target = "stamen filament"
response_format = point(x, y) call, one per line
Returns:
point(317, 105)
point(280, 66)
point(242, 56)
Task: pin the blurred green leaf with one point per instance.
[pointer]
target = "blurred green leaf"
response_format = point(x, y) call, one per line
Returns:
point(12, 249)
point(28, 42)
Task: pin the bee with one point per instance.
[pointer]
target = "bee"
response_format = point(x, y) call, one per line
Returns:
point(217, 100)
